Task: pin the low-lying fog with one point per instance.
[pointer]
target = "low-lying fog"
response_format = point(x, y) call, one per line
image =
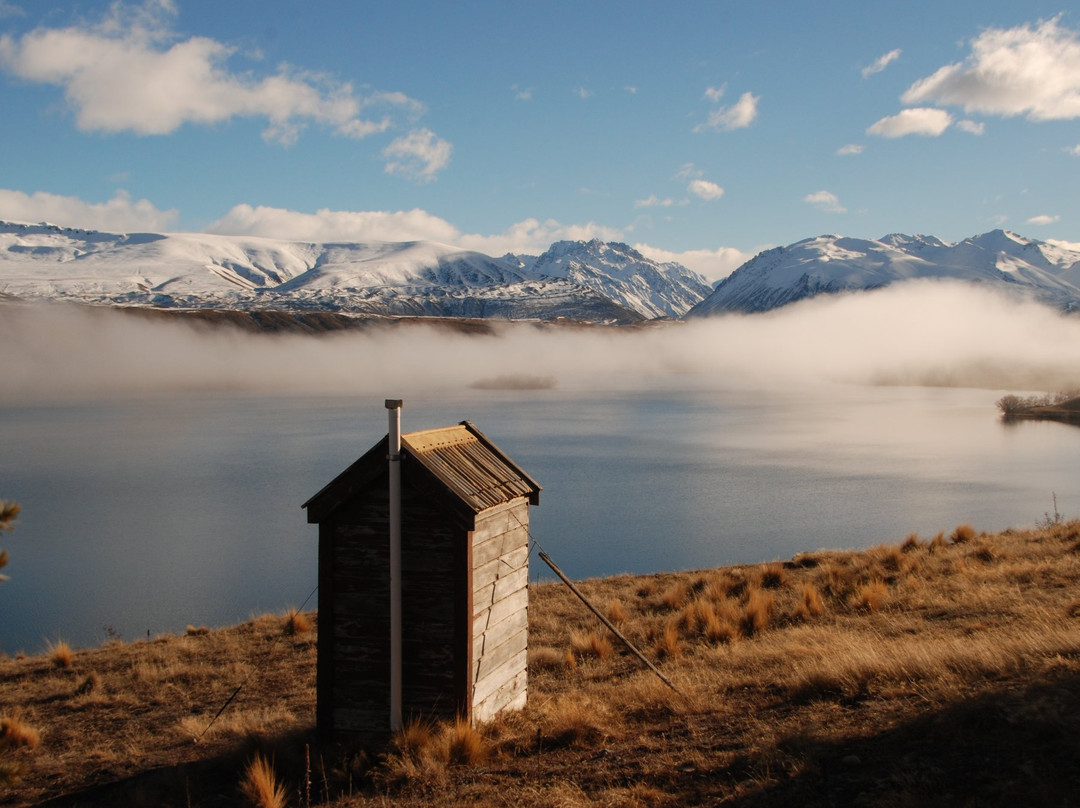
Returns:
point(920, 333)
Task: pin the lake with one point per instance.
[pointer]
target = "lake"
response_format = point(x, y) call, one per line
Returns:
point(144, 516)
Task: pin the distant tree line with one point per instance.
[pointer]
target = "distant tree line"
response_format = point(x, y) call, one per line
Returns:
point(1015, 405)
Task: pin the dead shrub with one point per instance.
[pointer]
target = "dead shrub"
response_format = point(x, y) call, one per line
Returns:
point(260, 785)
point(594, 644)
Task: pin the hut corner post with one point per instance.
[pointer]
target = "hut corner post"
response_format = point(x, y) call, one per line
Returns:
point(393, 407)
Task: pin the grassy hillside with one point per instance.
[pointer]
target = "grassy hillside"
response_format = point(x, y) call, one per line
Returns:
point(941, 671)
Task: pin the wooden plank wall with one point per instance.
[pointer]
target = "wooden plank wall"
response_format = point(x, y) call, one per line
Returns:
point(500, 619)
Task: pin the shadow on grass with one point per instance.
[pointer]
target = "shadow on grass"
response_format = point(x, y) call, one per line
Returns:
point(1018, 746)
point(215, 780)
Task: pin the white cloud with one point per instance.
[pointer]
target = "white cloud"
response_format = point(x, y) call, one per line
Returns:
point(972, 127)
point(714, 94)
point(334, 225)
point(881, 63)
point(826, 201)
point(10, 10)
point(919, 121)
point(653, 201)
point(119, 214)
point(713, 264)
point(131, 73)
point(1027, 70)
point(419, 155)
point(850, 149)
point(533, 236)
point(583, 93)
point(1043, 220)
point(737, 116)
point(522, 93)
point(1073, 150)
point(703, 189)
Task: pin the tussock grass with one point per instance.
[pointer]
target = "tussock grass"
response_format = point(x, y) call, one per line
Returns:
point(946, 666)
point(260, 785)
point(60, 654)
point(297, 623)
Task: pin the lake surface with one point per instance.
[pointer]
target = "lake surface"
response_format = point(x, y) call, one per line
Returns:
point(142, 517)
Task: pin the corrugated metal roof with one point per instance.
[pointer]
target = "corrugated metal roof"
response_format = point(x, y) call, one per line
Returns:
point(470, 465)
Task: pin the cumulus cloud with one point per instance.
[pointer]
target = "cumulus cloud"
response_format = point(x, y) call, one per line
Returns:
point(972, 127)
point(826, 201)
point(121, 214)
point(334, 225)
point(703, 189)
point(881, 63)
point(1031, 70)
point(737, 116)
point(420, 155)
point(131, 73)
point(918, 121)
point(713, 264)
point(850, 149)
point(530, 236)
point(1044, 219)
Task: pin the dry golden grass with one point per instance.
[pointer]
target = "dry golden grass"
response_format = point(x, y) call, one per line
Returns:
point(951, 669)
point(260, 785)
point(60, 654)
point(592, 644)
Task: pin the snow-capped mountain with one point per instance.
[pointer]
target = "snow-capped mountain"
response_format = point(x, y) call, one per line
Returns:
point(589, 281)
point(624, 275)
point(831, 264)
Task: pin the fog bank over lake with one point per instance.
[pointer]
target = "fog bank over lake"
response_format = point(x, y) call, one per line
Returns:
point(920, 333)
point(161, 467)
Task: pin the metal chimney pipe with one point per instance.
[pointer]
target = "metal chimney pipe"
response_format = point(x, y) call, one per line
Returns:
point(394, 457)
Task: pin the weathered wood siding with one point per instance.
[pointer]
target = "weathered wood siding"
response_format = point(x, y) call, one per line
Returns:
point(500, 609)
point(354, 638)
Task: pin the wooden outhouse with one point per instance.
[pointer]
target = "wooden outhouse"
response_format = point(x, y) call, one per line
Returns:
point(462, 613)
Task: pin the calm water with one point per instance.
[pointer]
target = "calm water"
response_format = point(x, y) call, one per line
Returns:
point(148, 516)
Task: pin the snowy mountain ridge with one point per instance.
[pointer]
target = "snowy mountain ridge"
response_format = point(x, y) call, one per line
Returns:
point(831, 264)
point(590, 281)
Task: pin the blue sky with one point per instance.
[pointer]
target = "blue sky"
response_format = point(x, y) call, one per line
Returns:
point(696, 131)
